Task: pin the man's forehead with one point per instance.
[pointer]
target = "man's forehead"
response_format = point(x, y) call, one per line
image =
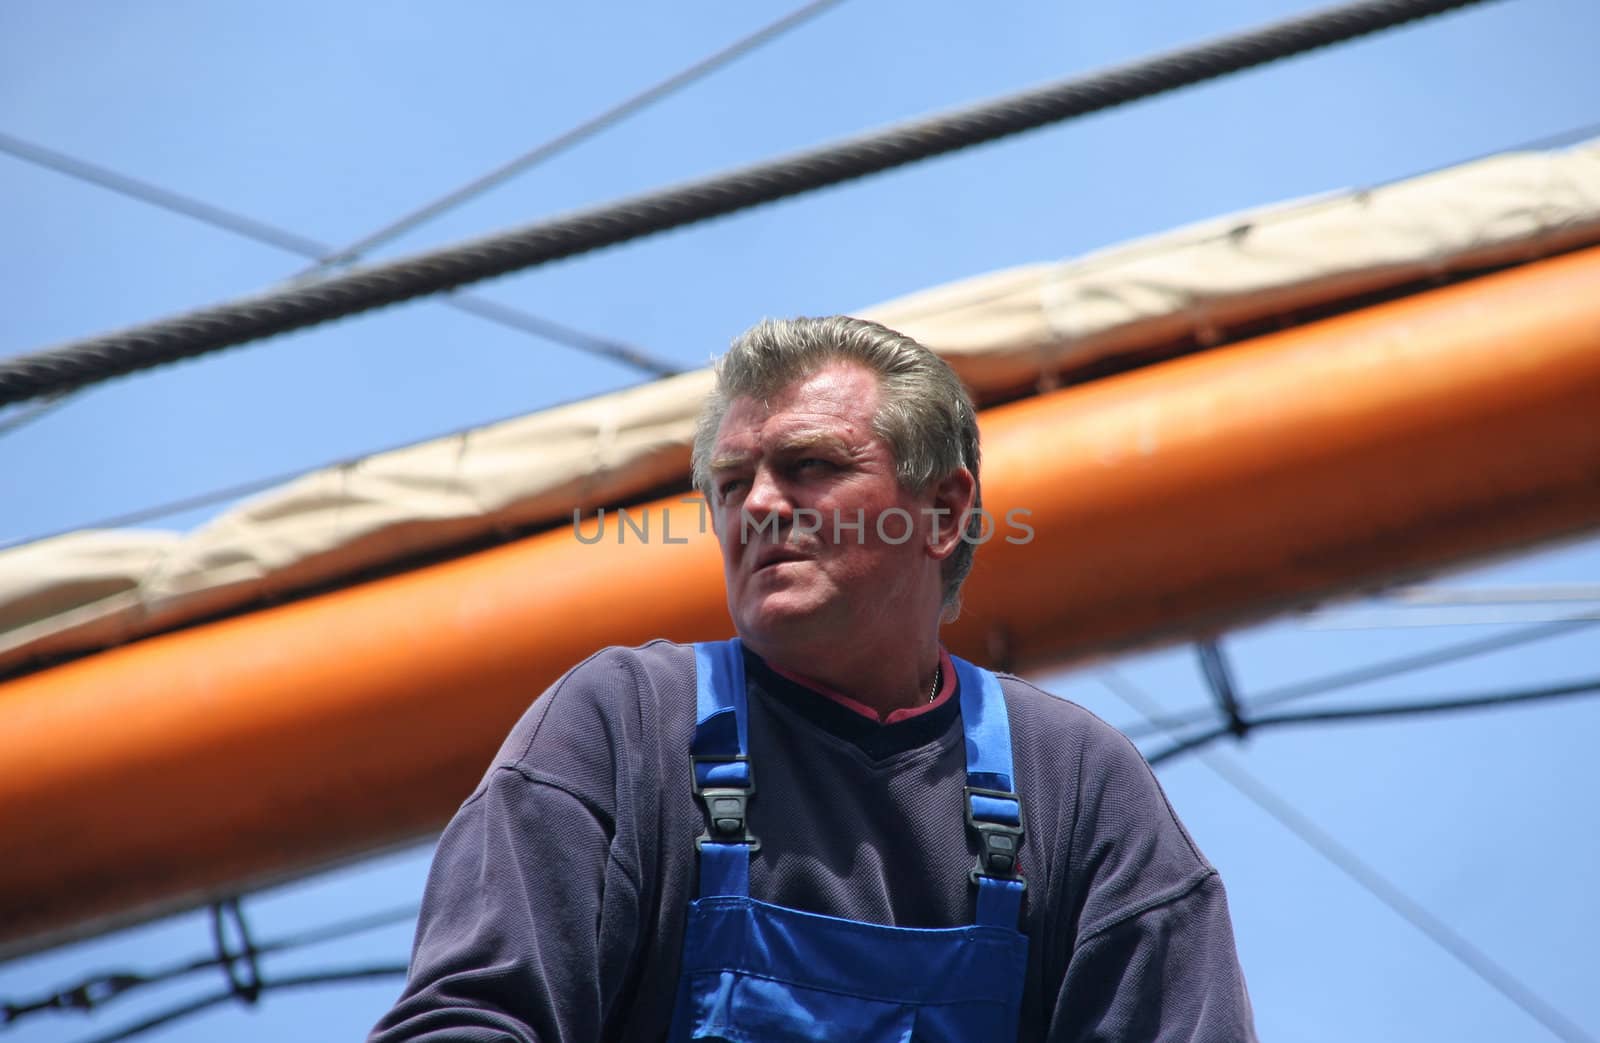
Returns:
point(837, 403)
point(783, 433)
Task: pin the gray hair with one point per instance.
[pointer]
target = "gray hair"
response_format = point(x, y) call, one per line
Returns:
point(925, 415)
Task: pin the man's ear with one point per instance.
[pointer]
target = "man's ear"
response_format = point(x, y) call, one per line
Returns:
point(953, 496)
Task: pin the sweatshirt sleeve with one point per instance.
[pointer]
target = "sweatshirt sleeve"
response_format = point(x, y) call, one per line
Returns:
point(514, 941)
point(1167, 974)
point(530, 918)
point(1153, 957)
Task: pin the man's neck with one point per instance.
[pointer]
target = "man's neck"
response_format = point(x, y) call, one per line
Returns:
point(944, 684)
point(881, 683)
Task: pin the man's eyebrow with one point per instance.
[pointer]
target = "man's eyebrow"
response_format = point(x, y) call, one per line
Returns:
point(802, 440)
point(729, 461)
point(788, 445)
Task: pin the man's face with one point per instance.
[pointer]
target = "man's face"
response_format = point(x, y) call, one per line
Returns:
point(784, 472)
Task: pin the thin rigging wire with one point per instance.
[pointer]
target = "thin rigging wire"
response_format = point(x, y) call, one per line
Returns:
point(1418, 616)
point(1537, 594)
point(342, 929)
point(326, 256)
point(1368, 877)
point(255, 485)
point(566, 140)
point(1152, 245)
point(1379, 671)
point(98, 990)
point(205, 330)
point(297, 981)
point(291, 242)
point(162, 510)
point(1408, 708)
point(37, 411)
point(155, 195)
point(1555, 139)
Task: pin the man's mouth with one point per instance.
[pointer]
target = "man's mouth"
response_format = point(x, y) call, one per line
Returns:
point(779, 556)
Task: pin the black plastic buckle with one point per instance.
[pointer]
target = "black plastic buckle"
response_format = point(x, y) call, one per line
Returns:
point(727, 807)
point(999, 843)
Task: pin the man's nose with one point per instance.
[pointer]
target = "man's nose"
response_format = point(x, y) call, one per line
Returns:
point(767, 497)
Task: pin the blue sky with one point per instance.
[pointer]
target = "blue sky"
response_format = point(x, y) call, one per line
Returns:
point(331, 120)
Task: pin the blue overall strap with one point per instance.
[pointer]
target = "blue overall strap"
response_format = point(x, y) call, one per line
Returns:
point(723, 778)
point(993, 809)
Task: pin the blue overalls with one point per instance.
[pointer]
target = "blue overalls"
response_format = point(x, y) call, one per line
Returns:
point(760, 973)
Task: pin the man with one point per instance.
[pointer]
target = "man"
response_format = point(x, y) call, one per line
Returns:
point(829, 828)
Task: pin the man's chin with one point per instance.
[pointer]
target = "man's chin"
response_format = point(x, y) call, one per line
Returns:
point(780, 616)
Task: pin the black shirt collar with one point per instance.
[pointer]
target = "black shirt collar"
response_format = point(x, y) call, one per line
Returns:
point(877, 740)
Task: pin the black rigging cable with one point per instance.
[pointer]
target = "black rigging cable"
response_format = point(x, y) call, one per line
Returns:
point(1219, 678)
point(1409, 708)
point(211, 329)
point(566, 140)
point(1374, 672)
point(1368, 877)
point(325, 255)
point(98, 990)
point(291, 242)
point(336, 976)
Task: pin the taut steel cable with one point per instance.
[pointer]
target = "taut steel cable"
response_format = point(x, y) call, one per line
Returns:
point(95, 359)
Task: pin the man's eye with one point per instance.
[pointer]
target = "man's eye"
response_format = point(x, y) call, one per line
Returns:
point(815, 463)
point(729, 487)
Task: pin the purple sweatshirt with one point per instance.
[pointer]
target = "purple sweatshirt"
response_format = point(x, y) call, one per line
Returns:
point(556, 903)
